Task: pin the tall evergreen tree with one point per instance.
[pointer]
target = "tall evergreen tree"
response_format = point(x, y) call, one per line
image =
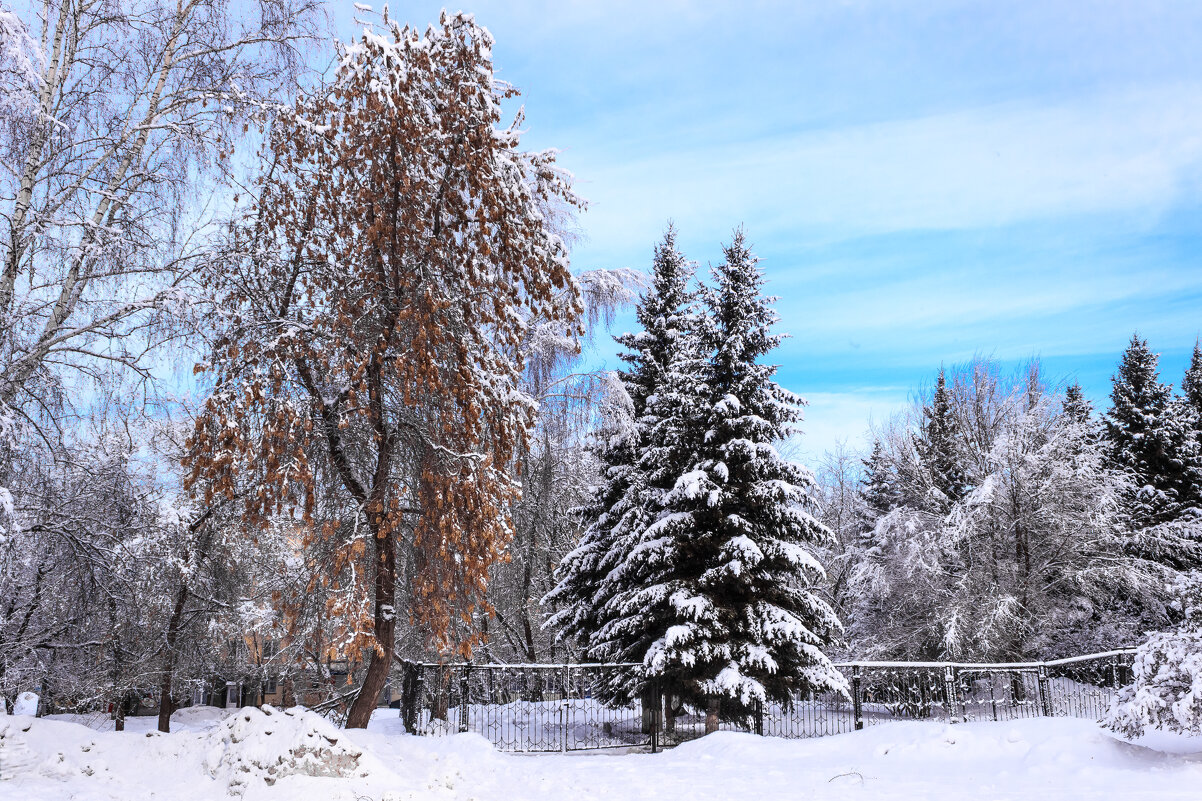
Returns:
point(1191, 388)
point(1078, 411)
point(638, 605)
point(1148, 436)
point(721, 583)
point(1076, 407)
point(937, 450)
point(619, 513)
point(878, 488)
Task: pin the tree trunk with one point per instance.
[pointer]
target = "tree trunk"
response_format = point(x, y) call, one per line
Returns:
point(166, 705)
point(442, 694)
point(711, 715)
point(650, 706)
point(410, 697)
point(385, 632)
point(527, 582)
point(119, 713)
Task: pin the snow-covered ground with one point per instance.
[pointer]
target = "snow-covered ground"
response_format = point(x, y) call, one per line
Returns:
point(212, 756)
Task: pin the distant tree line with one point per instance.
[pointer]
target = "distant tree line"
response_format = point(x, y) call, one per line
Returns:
point(1001, 518)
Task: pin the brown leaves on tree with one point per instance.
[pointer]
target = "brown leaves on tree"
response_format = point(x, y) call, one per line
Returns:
point(369, 380)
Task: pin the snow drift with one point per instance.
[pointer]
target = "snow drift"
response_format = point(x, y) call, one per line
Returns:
point(288, 756)
point(265, 745)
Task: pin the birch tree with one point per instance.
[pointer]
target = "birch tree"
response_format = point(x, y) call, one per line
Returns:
point(115, 113)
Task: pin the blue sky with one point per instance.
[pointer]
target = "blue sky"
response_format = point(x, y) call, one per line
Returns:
point(923, 181)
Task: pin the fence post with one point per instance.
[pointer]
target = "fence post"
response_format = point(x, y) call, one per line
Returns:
point(1045, 698)
point(565, 706)
point(759, 717)
point(463, 699)
point(857, 705)
point(1114, 673)
point(949, 690)
point(657, 699)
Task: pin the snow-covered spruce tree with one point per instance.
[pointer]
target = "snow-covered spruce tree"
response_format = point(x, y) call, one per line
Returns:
point(671, 435)
point(1076, 407)
point(1167, 689)
point(1191, 388)
point(936, 444)
point(878, 484)
point(1148, 435)
point(617, 514)
point(724, 577)
point(879, 491)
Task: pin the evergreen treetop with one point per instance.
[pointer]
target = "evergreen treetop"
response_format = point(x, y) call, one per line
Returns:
point(1076, 407)
point(1148, 435)
point(877, 486)
point(937, 449)
point(1191, 387)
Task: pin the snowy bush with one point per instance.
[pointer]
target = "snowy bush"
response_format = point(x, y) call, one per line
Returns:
point(1167, 689)
point(268, 744)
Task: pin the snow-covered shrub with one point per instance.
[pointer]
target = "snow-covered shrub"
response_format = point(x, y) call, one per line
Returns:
point(1167, 689)
point(268, 744)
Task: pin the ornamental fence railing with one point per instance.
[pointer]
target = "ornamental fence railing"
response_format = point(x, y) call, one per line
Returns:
point(539, 707)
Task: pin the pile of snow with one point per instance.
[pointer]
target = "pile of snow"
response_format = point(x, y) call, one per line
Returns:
point(198, 718)
point(36, 749)
point(16, 757)
point(257, 746)
point(1034, 758)
point(26, 704)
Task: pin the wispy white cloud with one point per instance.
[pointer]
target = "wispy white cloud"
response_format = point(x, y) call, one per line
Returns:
point(832, 418)
point(926, 181)
point(1136, 150)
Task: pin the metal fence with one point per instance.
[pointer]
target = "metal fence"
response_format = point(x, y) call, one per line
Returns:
point(558, 707)
point(522, 707)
